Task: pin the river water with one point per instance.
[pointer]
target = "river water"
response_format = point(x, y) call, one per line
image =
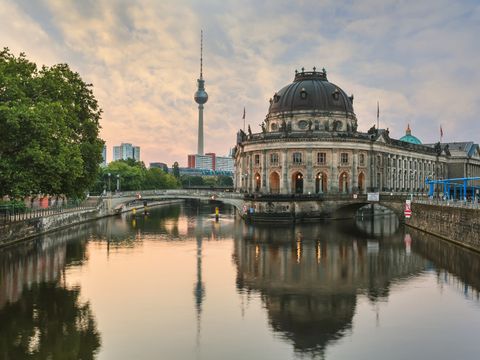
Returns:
point(176, 284)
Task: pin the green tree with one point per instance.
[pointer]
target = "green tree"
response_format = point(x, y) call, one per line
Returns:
point(49, 121)
point(176, 170)
point(223, 180)
point(133, 176)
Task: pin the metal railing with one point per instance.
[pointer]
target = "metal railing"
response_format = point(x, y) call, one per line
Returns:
point(465, 204)
point(10, 213)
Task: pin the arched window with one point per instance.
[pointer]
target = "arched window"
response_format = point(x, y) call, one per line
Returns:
point(361, 183)
point(343, 182)
point(258, 182)
point(297, 183)
point(321, 183)
point(274, 183)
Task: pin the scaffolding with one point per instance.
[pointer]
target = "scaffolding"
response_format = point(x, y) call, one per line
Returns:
point(455, 189)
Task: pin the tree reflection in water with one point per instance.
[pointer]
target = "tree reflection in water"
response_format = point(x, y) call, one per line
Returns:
point(48, 322)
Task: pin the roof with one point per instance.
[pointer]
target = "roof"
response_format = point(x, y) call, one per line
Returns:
point(310, 90)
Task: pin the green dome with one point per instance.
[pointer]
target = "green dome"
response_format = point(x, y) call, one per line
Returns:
point(408, 137)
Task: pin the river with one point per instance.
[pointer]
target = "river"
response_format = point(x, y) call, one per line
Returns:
point(176, 284)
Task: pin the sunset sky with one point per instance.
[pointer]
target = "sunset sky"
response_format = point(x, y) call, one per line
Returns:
point(419, 59)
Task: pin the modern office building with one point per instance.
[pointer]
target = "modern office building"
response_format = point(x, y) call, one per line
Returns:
point(210, 161)
point(104, 155)
point(126, 151)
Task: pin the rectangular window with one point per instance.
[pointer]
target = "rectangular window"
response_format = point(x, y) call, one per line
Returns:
point(257, 159)
point(274, 159)
point(362, 159)
point(321, 158)
point(344, 158)
point(297, 158)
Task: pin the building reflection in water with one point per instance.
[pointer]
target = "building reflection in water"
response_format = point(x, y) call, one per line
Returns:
point(309, 276)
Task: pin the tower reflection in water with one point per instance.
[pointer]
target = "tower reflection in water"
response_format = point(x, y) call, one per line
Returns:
point(310, 276)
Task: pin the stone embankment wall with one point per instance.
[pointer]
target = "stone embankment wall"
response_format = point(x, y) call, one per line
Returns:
point(13, 232)
point(459, 225)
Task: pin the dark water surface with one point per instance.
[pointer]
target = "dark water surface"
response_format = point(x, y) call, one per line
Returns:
point(177, 285)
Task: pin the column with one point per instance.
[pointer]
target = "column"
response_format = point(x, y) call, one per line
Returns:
point(354, 181)
point(284, 180)
point(265, 185)
point(309, 184)
point(333, 187)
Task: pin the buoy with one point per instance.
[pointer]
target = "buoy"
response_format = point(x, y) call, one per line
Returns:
point(134, 211)
point(217, 211)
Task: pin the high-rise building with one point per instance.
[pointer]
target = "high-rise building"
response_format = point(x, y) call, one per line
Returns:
point(201, 97)
point(104, 155)
point(126, 151)
point(210, 161)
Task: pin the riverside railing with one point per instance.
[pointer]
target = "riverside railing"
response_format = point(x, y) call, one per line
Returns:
point(10, 213)
point(465, 204)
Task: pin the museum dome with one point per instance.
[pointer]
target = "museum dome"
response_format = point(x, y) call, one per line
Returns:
point(409, 138)
point(310, 90)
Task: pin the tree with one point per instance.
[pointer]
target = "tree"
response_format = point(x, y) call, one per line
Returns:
point(49, 121)
point(133, 175)
point(176, 170)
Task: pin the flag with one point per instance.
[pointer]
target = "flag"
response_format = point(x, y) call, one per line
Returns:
point(441, 132)
point(243, 117)
point(378, 110)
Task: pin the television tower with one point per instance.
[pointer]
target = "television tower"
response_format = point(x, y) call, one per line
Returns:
point(201, 97)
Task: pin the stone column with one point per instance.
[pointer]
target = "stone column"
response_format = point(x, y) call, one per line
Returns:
point(354, 182)
point(284, 180)
point(333, 187)
point(309, 184)
point(265, 185)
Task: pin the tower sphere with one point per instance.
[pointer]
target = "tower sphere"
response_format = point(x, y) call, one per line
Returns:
point(201, 96)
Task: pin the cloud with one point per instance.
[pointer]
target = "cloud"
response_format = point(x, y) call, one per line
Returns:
point(419, 59)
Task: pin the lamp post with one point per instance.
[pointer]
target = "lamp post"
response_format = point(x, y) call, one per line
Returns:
point(109, 175)
point(118, 182)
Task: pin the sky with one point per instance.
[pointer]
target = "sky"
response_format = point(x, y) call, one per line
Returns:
point(419, 59)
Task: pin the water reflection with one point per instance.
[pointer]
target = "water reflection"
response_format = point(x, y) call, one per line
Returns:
point(39, 316)
point(309, 276)
point(311, 279)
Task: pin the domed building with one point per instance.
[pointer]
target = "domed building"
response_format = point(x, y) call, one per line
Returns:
point(309, 144)
point(409, 138)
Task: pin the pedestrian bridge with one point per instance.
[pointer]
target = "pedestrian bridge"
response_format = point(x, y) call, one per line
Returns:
point(259, 207)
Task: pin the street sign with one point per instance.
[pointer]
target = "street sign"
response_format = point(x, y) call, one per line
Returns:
point(408, 209)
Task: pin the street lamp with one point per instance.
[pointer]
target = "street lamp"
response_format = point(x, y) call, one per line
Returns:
point(109, 175)
point(118, 182)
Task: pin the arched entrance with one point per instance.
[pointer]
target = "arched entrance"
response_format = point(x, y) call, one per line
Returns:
point(297, 183)
point(274, 183)
point(258, 182)
point(361, 183)
point(320, 183)
point(343, 182)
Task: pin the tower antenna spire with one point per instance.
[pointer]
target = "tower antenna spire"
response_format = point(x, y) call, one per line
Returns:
point(201, 97)
point(201, 54)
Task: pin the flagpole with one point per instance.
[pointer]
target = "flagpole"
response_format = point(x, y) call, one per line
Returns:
point(378, 115)
point(244, 119)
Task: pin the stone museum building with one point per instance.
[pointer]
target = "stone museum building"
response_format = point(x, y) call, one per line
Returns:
point(309, 144)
